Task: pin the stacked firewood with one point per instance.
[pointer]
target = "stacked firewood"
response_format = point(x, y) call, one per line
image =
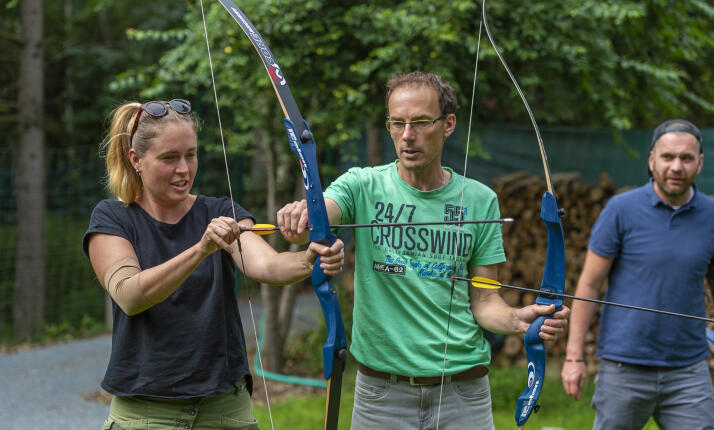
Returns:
point(525, 241)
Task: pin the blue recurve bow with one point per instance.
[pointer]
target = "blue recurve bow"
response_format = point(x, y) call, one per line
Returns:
point(553, 272)
point(301, 141)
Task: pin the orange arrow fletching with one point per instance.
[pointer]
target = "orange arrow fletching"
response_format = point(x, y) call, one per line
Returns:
point(481, 282)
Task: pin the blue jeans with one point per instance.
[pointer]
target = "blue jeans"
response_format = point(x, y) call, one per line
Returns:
point(677, 397)
point(384, 404)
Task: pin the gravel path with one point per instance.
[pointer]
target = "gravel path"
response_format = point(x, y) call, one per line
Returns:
point(45, 387)
point(42, 388)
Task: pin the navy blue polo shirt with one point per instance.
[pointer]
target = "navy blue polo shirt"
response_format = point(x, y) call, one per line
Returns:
point(661, 256)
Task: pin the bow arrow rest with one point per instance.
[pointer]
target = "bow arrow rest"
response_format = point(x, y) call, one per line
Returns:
point(266, 229)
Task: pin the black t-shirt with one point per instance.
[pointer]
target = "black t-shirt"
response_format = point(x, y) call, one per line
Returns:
point(192, 343)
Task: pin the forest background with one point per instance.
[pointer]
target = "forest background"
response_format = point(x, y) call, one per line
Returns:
point(598, 74)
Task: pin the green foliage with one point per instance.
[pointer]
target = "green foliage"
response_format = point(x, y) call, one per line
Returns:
point(581, 62)
point(65, 332)
point(85, 44)
point(601, 64)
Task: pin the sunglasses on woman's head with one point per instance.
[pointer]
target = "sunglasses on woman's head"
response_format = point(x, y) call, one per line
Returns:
point(158, 108)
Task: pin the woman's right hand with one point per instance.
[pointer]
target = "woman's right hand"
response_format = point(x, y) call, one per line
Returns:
point(221, 232)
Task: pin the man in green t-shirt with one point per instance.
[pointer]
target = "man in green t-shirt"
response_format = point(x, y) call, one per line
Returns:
point(402, 289)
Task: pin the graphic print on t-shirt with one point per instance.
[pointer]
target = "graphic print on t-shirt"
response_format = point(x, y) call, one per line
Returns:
point(428, 250)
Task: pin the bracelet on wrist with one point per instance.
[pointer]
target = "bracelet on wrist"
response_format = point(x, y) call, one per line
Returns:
point(576, 360)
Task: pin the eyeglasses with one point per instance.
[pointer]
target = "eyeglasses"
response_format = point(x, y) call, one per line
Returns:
point(159, 108)
point(420, 124)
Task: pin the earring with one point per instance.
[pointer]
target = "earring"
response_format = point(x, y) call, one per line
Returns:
point(138, 172)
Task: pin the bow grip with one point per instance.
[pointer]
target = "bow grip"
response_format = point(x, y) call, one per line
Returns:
point(553, 281)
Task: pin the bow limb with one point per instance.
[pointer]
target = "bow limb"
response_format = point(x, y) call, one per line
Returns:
point(553, 272)
point(303, 145)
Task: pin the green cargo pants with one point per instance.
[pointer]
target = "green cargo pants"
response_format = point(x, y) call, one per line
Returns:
point(227, 411)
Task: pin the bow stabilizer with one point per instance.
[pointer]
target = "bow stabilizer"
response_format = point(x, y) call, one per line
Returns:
point(301, 141)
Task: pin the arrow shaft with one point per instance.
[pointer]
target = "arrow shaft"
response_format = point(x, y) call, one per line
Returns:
point(602, 302)
point(395, 224)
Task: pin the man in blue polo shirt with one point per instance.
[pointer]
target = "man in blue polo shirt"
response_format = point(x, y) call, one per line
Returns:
point(654, 245)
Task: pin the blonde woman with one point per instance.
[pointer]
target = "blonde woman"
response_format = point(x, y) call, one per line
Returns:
point(167, 257)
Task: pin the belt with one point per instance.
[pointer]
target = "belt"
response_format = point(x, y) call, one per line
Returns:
point(643, 367)
point(472, 373)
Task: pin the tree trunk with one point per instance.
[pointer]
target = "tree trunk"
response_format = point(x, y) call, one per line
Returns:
point(374, 142)
point(29, 288)
point(269, 294)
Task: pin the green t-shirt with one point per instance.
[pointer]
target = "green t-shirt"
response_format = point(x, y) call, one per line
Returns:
point(402, 275)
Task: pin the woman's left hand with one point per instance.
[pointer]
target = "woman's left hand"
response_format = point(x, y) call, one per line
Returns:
point(332, 257)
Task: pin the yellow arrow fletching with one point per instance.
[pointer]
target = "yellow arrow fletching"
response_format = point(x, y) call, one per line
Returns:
point(481, 282)
point(263, 229)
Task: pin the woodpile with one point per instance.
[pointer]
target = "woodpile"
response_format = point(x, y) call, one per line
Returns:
point(525, 242)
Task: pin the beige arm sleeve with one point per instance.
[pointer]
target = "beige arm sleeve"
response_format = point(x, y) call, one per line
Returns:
point(121, 281)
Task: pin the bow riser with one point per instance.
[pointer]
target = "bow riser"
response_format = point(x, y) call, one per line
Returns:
point(303, 145)
point(554, 269)
point(319, 227)
point(553, 281)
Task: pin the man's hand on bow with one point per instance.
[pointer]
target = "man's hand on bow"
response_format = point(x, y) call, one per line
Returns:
point(332, 257)
point(292, 220)
point(552, 327)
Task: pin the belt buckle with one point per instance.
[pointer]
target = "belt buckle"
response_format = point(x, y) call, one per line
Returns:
point(412, 382)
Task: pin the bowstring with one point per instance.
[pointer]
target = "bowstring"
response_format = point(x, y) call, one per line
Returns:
point(459, 226)
point(230, 192)
point(541, 146)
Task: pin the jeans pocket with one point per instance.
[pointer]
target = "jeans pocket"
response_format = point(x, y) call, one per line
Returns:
point(472, 389)
point(228, 423)
point(369, 388)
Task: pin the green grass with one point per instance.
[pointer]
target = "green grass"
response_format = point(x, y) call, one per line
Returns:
point(307, 412)
point(558, 410)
